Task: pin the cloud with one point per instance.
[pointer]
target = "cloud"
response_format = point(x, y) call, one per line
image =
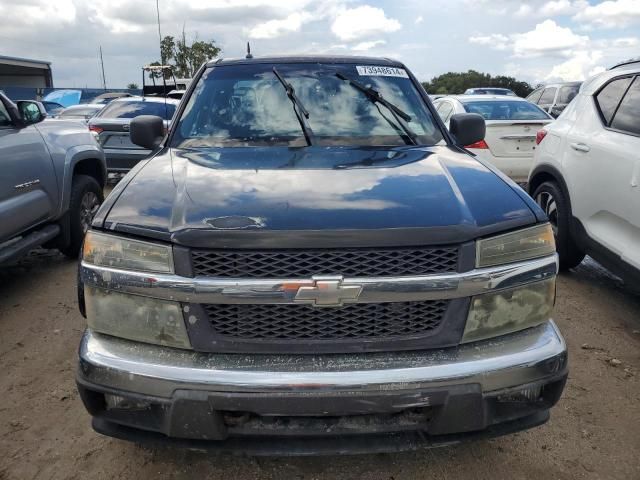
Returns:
point(625, 42)
point(547, 38)
point(610, 14)
point(497, 41)
point(276, 28)
point(560, 7)
point(418, 20)
point(361, 22)
point(580, 66)
point(580, 55)
point(363, 46)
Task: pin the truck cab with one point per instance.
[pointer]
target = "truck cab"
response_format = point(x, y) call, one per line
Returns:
point(310, 263)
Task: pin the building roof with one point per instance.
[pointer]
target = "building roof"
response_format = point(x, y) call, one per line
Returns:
point(24, 62)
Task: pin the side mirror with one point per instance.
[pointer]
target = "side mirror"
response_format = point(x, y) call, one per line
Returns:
point(147, 131)
point(31, 111)
point(467, 128)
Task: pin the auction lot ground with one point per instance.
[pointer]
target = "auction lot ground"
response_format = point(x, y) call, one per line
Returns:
point(594, 432)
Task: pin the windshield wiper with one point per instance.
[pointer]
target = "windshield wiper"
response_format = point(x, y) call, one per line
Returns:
point(301, 113)
point(376, 97)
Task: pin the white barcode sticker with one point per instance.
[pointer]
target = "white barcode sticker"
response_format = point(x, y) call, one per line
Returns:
point(380, 71)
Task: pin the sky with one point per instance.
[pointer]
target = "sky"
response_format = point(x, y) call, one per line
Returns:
point(537, 41)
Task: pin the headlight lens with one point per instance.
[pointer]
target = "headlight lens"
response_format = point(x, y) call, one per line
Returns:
point(516, 246)
point(123, 253)
point(136, 318)
point(507, 311)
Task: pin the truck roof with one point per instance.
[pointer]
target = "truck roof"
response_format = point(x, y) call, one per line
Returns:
point(308, 59)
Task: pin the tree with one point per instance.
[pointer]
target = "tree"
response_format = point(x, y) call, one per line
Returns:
point(184, 58)
point(132, 86)
point(458, 82)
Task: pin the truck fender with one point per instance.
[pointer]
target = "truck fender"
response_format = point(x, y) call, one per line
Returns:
point(73, 157)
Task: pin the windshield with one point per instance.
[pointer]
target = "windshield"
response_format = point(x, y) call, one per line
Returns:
point(133, 109)
point(246, 105)
point(506, 110)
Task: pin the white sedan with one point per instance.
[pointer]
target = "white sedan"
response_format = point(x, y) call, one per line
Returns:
point(512, 124)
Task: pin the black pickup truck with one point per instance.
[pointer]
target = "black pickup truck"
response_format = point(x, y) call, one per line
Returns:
point(311, 263)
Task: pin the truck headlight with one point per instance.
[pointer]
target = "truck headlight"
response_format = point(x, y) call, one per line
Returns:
point(123, 253)
point(134, 317)
point(507, 311)
point(532, 242)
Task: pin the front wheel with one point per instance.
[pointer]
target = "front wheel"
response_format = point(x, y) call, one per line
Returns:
point(86, 197)
point(555, 204)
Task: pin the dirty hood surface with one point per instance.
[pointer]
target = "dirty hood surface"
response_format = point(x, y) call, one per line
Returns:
point(279, 197)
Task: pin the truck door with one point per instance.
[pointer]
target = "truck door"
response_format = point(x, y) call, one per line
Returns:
point(28, 186)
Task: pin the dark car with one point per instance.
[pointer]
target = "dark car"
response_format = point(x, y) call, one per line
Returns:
point(108, 97)
point(111, 126)
point(555, 97)
point(311, 263)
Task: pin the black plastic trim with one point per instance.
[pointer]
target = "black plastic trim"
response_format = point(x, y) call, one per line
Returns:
point(447, 334)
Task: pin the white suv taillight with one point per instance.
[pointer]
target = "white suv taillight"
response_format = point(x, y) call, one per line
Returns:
point(540, 136)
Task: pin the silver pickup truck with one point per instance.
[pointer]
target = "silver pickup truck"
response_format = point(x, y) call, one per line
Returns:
point(52, 178)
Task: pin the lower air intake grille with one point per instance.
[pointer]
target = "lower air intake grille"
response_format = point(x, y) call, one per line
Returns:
point(303, 322)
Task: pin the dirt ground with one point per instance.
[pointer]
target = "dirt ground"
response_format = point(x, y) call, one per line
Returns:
point(594, 431)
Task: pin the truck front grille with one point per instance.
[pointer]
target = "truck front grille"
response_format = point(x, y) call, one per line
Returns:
point(304, 322)
point(353, 262)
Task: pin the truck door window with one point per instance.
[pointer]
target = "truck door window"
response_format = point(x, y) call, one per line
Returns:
point(534, 96)
point(567, 93)
point(445, 109)
point(547, 96)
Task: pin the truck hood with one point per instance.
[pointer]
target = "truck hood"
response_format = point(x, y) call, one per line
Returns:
point(250, 197)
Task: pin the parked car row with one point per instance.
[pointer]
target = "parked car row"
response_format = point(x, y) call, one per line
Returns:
point(111, 127)
point(512, 124)
point(582, 168)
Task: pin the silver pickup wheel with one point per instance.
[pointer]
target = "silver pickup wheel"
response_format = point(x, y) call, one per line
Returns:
point(86, 197)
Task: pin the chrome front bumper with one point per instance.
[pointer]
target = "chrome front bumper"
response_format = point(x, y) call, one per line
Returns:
point(529, 356)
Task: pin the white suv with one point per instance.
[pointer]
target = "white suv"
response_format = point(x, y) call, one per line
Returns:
point(586, 173)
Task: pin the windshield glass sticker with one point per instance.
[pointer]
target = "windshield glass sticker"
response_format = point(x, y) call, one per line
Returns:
point(377, 70)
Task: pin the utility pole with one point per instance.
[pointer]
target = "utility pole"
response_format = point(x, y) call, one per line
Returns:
point(159, 34)
point(104, 80)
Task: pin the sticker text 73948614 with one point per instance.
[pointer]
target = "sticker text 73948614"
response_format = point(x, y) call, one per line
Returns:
point(378, 70)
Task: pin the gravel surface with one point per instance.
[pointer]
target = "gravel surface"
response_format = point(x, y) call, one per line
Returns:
point(594, 431)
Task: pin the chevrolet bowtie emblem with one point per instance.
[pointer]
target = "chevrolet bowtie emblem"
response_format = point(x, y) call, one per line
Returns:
point(327, 292)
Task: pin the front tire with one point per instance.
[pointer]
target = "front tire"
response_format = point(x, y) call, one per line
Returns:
point(86, 197)
point(553, 201)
